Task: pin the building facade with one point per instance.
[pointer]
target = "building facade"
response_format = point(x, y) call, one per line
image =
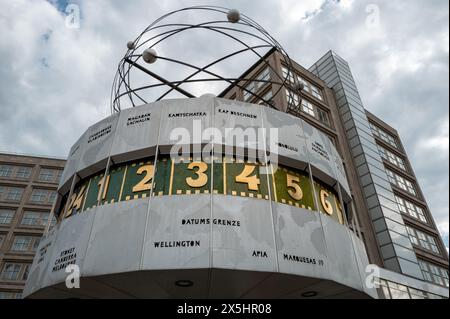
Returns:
point(395, 221)
point(27, 191)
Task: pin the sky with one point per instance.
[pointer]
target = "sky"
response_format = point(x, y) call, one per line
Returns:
point(56, 70)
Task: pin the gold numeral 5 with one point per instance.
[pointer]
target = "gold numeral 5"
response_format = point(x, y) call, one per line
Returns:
point(291, 181)
point(252, 181)
point(145, 184)
point(202, 178)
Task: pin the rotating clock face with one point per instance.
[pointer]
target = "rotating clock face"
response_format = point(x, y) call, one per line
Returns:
point(191, 176)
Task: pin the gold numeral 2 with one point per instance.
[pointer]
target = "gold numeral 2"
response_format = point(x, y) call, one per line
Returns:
point(145, 183)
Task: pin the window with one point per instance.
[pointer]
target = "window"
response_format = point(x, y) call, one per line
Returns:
point(391, 158)
point(309, 87)
point(381, 134)
point(59, 175)
point(6, 170)
point(25, 243)
point(6, 216)
point(2, 238)
point(36, 218)
point(26, 271)
point(434, 274)
point(23, 172)
point(43, 196)
point(267, 97)
point(39, 195)
point(410, 209)
point(393, 290)
point(323, 117)
point(401, 182)
point(306, 107)
point(425, 241)
point(14, 194)
point(46, 175)
point(11, 271)
point(260, 80)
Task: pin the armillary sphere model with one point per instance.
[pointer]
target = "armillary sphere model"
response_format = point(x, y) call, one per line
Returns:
point(169, 53)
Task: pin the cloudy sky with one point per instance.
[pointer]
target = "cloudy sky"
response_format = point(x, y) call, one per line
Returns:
point(56, 77)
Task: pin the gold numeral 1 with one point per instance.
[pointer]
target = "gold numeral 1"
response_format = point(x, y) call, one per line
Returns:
point(291, 181)
point(202, 178)
point(252, 181)
point(145, 184)
point(105, 187)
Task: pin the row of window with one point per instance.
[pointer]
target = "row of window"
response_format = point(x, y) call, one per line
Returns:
point(24, 172)
point(383, 135)
point(423, 240)
point(408, 208)
point(392, 290)
point(10, 295)
point(38, 196)
point(23, 243)
point(434, 274)
point(391, 158)
point(309, 87)
point(15, 272)
point(29, 218)
point(401, 182)
point(306, 107)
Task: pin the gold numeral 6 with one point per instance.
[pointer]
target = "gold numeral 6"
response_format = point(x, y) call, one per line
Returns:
point(325, 202)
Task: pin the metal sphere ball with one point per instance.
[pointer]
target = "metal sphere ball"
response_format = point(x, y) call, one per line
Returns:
point(130, 45)
point(298, 87)
point(149, 55)
point(233, 16)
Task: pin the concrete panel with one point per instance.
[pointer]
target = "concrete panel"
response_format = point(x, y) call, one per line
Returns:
point(300, 242)
point(69, 246)
point(41, 261)
point(188, 117)
point(116, 238)
point(290, 146)
point(97, 146)
point(340, 173)
point(341, 254)
point(137, 132)
point(178, 232)
point(248, 245)
point(362, 262)
point(319, 152)
point(242, 120)
point(71, 165)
